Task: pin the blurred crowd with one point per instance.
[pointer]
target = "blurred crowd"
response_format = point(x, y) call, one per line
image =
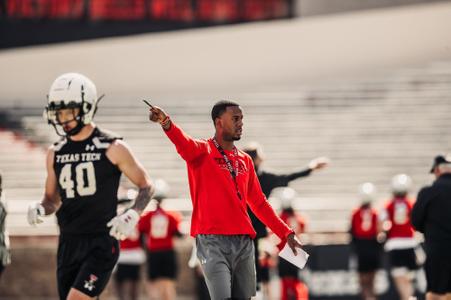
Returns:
point(156, 10)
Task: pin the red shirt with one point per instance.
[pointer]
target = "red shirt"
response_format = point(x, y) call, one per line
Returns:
point(398, 213)
point(364, 223)
point(266, 261)
point(160, 227)
point(132, 242)
point(217, 209)
point(295, 221)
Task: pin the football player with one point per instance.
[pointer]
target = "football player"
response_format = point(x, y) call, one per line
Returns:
point(83, 172)
point(400, 243)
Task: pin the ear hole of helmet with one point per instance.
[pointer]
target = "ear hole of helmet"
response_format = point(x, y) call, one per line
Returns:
point(86, 107)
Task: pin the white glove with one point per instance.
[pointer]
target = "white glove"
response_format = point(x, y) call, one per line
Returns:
point(35, 212)
point(123, 225)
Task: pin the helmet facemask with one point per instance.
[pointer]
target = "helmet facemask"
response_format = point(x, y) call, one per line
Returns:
point(51, 112)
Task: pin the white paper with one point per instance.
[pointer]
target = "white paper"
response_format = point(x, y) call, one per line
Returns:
point(298, 260)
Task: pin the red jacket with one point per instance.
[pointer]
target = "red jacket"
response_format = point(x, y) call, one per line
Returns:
point(364, 223)
point(160, 227)
point(217, 209)
point(132, 242)
point(398, 212)
point(295, 220)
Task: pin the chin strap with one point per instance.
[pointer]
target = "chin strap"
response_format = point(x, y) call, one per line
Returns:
point(80, 122)
point(76, 129)
point(71, 132)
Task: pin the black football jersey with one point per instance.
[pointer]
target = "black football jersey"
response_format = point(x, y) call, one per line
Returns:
point(87, 183)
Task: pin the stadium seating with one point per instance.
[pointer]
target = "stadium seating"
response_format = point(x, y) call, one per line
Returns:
point(371, 128)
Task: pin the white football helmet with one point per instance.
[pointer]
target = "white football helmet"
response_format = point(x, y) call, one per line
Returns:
point(161, 189)
point(72, 90)
point(286, 197)
point(367, 192)
point(401, 184)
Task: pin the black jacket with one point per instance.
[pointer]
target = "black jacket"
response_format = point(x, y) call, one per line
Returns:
point(268, 182)
point(431, 213)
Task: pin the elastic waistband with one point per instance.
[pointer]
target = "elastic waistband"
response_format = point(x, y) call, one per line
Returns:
point(65, 235)
point(225, 236)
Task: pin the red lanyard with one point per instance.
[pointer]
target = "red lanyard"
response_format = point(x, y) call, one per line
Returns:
point(233, 172)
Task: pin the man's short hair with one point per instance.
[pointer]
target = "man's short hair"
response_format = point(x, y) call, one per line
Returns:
point(220, 107)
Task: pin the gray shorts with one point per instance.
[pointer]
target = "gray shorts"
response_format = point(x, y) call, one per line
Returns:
point(228, 264)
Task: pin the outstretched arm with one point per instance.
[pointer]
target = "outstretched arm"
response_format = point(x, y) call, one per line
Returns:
point(315, 164)
point(296, 175)
point(270, 181)
point(188, 148)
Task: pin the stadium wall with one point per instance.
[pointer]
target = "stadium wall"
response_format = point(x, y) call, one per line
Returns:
point(330, 273)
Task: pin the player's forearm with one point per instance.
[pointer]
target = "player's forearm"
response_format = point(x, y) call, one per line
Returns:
point(143, 198)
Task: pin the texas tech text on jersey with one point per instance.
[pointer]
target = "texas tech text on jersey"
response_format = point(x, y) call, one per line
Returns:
point(88, 182)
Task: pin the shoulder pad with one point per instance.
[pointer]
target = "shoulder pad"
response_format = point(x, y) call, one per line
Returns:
point(57, 146)
point(104, 138)
point(107, 136)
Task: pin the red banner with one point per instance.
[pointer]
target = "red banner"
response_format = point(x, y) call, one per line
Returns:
point(188, 11)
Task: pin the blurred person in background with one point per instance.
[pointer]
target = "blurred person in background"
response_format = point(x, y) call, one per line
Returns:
point(292, 287)
point(431, 215)
point(201, 286)
point(364, 233)
point(400, 242)
point(267, 262)
point(5, 257)
point(131, 257)
point(83, 173)
point(222, 183)
point(159, 228)
point(269, 181)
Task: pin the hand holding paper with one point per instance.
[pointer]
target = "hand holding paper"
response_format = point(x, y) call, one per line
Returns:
point(293, 242)
point(299, 259)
